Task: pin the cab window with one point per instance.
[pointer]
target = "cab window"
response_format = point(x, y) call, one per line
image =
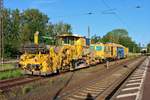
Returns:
point(99, 48)
point(69, 40)
point(66, 41)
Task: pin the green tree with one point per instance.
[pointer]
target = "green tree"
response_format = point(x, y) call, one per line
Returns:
point(33, 20)
point(148, 47)
point(120, 36)
point(19, 29)
point(115, 35)
point(95, 38)
point(62, 28)
point(11, 22)
point(49, 37)
point(7, 31)
point(15, 28)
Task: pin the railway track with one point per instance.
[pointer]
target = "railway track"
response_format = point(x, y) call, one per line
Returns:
point(132, 87)
point(7, 84)
point(100, 87)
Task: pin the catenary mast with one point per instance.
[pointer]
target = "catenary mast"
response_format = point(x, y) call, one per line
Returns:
point(1, 32)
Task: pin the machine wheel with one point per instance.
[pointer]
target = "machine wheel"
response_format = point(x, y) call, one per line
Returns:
point(57, 71)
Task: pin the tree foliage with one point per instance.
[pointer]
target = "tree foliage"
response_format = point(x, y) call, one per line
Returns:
point(95, 39)
point(19, 28)
point(11, 31)
point(33, 20)
point(61, 28)
point(115, 35)
point(148, 47)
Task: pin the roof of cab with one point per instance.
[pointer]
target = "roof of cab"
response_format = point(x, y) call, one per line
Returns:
point(97, 44)
point(70, 35)
point(114, 44)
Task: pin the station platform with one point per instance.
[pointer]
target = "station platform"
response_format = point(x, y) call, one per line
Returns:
point(146, 87)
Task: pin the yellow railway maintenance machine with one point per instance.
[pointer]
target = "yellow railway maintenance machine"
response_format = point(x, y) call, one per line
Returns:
point(72, 53)
point(98, 50)
point(115, 51)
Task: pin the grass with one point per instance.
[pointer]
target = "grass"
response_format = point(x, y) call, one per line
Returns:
point(7, 66)
point(10, 74)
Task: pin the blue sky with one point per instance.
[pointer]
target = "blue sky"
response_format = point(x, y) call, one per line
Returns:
point(74, 12)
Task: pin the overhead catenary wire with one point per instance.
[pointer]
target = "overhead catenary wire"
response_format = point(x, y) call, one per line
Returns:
point(88, 13)
point(116, 14)
point(75, 15)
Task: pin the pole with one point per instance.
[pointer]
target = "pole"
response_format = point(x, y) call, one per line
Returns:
point(89, 32)
point(1, 32)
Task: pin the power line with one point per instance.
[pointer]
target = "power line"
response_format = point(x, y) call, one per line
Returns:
point(115, 14)
point(118, 17)
point(75, 15)
point(92, 12)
